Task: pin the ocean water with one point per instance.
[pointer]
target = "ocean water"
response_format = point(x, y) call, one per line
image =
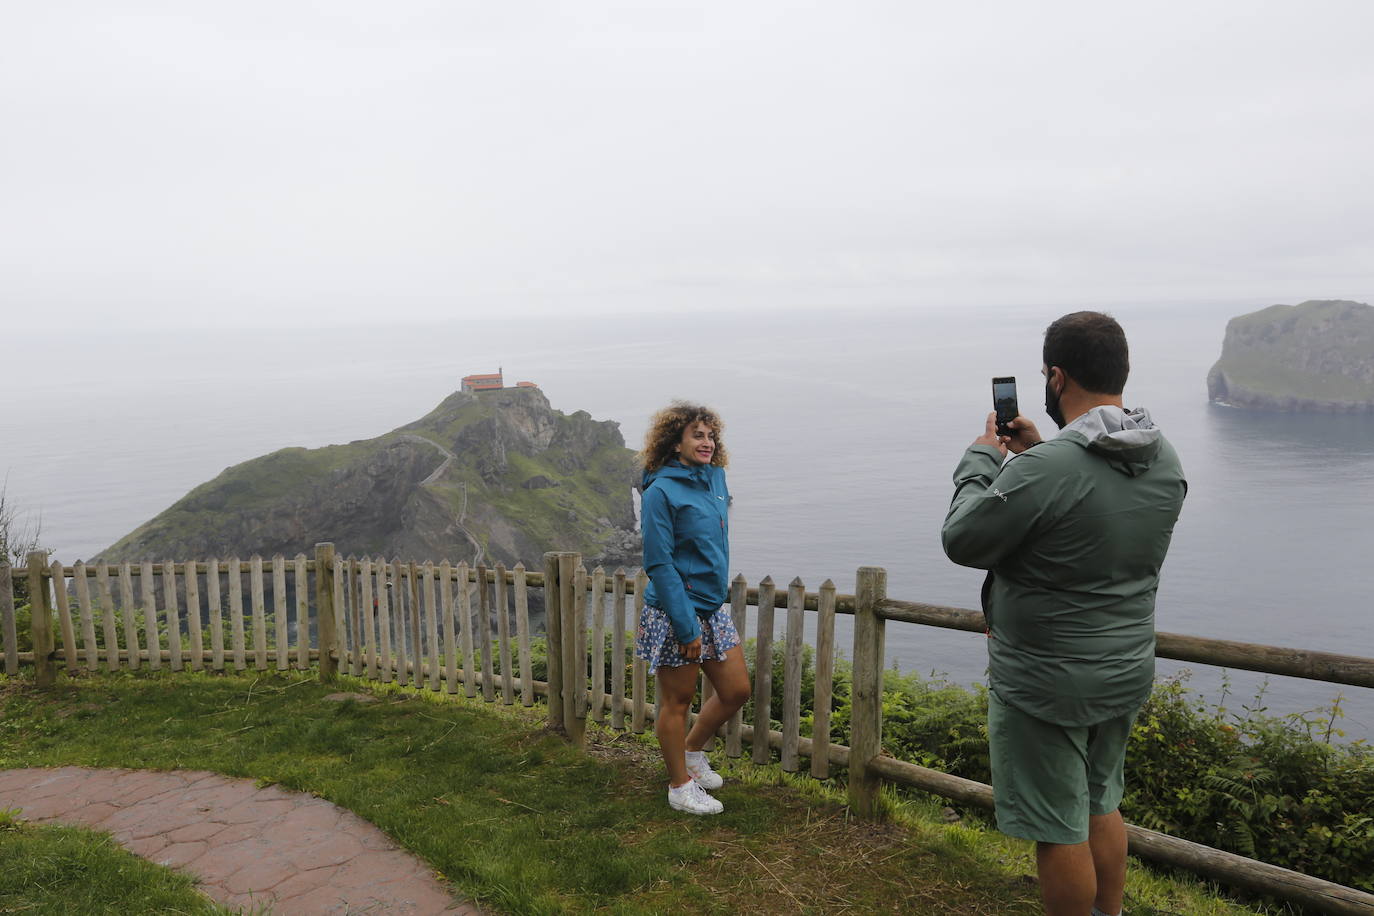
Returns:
point(843, 430)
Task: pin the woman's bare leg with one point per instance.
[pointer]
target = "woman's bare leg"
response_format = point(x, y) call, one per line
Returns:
point(730, 678)
point(676, 687)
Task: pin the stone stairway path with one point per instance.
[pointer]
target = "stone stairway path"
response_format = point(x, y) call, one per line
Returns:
point(266, 848)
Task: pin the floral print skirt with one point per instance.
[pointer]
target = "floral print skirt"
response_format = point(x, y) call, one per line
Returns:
point(656, 643)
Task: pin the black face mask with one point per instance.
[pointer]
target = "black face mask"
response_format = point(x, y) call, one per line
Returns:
point(1052, 405)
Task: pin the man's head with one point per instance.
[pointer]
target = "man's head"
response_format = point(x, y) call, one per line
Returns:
point(1087, 350)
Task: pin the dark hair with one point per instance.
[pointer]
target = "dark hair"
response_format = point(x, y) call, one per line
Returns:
point(665, 431)
point(1091, 348)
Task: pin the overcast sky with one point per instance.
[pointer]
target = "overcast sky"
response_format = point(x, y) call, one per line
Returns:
point(256, 162)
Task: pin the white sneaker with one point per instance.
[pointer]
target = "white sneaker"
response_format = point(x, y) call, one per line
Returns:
point(693, 799)
point(699, 768)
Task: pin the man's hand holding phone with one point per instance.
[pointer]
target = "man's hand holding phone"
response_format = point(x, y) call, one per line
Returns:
point(1023, 435)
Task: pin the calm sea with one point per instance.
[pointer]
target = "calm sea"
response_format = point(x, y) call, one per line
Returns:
point(843, 430)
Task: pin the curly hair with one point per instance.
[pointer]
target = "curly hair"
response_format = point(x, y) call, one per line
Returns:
point(666, 428)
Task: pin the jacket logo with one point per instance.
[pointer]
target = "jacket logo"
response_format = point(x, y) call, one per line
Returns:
point(999, 494)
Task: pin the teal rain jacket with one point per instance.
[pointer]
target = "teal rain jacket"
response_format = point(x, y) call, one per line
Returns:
point(684, 517)
point(1073, 533)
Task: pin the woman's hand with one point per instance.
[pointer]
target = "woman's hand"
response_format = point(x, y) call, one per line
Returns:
point(691, 650)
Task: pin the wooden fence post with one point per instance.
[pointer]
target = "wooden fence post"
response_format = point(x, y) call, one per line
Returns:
point(574, 668)
point(45, 668)
point(7, 621)
point(553, 641)
point(763, 673)
point(324, 610)
point(867, 716)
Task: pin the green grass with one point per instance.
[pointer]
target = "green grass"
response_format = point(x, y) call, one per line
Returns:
point(513, 816)
point(60, 871)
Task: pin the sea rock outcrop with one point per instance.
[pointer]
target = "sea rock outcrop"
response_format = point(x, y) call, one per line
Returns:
point(493, 476)
point(1314, 357)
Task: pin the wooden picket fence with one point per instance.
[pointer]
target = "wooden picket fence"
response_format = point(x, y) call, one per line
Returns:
point(431, 627)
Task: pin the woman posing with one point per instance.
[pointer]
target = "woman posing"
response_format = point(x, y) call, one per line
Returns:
point(685, 628)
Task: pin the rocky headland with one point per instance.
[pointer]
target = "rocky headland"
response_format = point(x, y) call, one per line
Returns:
point(1315, 357)
point(493, 476)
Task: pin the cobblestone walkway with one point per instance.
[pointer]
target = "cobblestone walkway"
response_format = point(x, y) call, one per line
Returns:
point(246, 846)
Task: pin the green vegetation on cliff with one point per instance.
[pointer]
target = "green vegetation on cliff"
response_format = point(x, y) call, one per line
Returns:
point(1317, 356)
point(493, 476)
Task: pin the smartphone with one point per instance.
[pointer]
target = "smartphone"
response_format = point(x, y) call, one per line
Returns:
point(1004, 402)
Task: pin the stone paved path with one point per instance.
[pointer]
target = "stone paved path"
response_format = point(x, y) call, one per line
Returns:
point(247, 846)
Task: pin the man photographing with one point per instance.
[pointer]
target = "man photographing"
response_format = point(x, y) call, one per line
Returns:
point(1073, 531)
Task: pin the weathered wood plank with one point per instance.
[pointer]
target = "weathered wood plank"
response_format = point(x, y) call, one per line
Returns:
point(553, 640)
point(503, 636)
point(639, 669)
point(484, 634)
point(102, 584)
point(300, 579)
point(355, 623)
point(417, 647)
point(450, 636)
point(825, 679)
point(598, 644)
point(64, 615)
point(369, 615)
point(867, 703)
point(384, 592)
point(465, 631)
point(40, 603)
point(399, 593)
point(327, 590)
point(763, 669)
point(214, 615)
point(9, 627)
point(618, 648)
point(734, 743)
point(128, 610)
point(431, 624)
point(792, 675)
point(334, 632)
point(522, 634)
point(259, 613)
point(236, 614)
point(194, 638)
point(283, 646)
point(151, 638)
point(573, 669)
point(83, 610)
point(171, 608)
point(581, 690)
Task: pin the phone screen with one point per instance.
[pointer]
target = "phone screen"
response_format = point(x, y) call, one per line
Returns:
point(1004, 401)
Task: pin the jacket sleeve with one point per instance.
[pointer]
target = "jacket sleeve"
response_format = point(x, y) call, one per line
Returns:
point(656, 525)
point(996, 507)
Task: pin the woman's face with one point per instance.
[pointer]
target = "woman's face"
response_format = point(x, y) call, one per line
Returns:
point(698, 444)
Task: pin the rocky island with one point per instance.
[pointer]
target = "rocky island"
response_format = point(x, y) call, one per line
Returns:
point(1314, 357)
point(488, 476)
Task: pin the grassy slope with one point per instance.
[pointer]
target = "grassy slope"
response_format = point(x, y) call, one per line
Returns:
point(516, 818)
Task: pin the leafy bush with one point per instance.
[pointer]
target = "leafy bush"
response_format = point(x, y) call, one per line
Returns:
point(1272, 787)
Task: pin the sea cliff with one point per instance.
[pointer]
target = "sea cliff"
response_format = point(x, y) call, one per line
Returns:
point(1314, 357)
point(495, 476)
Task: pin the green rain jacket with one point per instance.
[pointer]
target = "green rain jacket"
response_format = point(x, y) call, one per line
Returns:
point(1073, 533)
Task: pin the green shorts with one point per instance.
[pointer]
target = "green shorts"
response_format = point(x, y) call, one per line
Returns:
point(1047, 779)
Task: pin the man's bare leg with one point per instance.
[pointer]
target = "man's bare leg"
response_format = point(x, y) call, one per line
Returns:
point(1107, 840)
point(1068, 881)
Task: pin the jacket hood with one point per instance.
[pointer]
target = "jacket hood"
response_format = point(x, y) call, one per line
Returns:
point(1128, 440)
point(674, 470)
